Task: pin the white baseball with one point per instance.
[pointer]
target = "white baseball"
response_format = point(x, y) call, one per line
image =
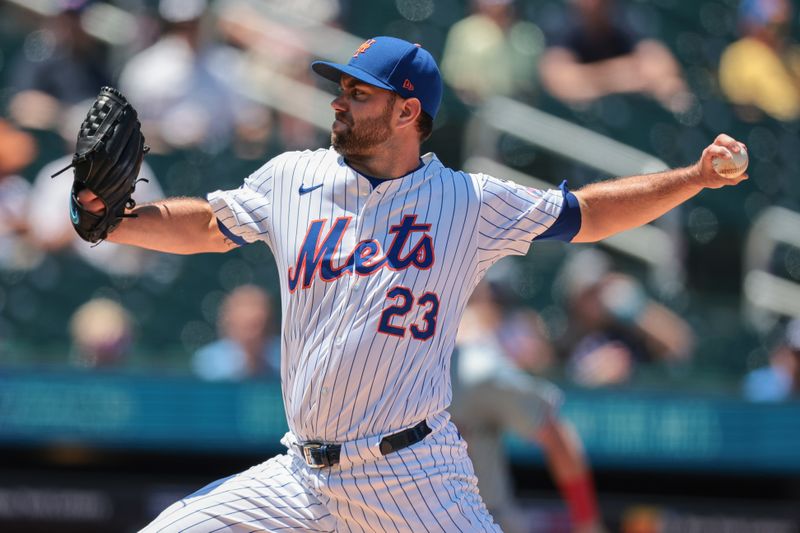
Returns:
point(731, 168)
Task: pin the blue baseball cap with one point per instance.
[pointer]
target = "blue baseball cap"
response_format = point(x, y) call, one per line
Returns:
point(392, 64)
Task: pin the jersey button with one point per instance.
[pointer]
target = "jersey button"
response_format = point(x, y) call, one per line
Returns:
point(339, 341)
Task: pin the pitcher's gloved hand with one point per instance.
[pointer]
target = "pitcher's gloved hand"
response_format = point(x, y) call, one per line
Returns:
point(107, 160)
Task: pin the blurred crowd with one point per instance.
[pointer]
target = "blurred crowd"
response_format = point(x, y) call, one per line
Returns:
point(202, 75)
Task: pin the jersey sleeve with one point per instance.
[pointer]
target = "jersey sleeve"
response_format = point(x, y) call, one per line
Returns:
point(244, 215)
point(568, 223)
point(512, 216)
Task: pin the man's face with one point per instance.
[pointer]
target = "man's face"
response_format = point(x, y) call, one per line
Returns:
point(363, 117)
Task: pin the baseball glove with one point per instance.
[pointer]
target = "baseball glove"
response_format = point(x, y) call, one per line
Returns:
point(107, 160)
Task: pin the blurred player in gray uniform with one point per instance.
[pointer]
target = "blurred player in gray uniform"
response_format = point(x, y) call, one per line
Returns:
point(493, 393)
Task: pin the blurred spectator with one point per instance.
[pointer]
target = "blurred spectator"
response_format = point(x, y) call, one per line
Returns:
point(492, 52)
point(48, 216)
point(613, 326)
point(17, 150)
point(102, 333)
point(596, 55)
point(493, 393)
point(61, 66)
point(249, 346)
point(181, 99)
point(761, 71)
point(779, 380)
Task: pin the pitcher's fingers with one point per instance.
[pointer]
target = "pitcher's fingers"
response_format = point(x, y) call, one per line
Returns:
point(728, 142)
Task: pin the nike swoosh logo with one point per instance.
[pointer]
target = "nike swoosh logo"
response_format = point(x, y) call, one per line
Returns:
point(304, 190)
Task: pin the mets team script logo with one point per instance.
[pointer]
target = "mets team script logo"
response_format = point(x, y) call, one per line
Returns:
point(364, 46)
point(316, 253)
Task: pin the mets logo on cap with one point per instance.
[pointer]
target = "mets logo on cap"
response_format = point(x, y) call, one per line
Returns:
point(363, 48)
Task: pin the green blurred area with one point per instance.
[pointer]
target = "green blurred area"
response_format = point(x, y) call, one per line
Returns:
point(620, 429)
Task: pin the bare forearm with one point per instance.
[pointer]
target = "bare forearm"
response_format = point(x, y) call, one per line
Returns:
point(569, 469)
point(667, 334)
point(174, 225)
point(612, 206)
point(572, 81)
point(609, 207)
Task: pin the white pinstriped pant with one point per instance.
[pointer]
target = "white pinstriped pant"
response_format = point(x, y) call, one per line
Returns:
point(429, 486)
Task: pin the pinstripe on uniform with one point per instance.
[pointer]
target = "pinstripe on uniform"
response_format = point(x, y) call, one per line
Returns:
point(373, 285)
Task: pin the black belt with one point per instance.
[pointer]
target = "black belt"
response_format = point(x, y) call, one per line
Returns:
point(321, 454)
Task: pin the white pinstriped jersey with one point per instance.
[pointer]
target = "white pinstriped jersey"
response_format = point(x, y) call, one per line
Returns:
point(374, 281)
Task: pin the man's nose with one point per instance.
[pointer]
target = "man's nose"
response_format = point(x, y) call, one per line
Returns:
point(338, 103)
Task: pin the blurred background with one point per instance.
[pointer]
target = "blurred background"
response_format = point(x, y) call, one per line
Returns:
point(129, 379)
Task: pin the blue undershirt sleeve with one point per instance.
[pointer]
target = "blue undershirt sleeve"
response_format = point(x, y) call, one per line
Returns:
point(229, 234)
point(568, 223)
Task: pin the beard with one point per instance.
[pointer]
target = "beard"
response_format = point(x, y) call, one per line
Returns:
point(359, 138)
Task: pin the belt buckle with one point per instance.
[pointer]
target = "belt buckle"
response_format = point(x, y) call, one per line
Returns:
point(307, 447)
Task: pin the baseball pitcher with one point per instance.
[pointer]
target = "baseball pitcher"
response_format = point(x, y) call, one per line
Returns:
point(378, 248)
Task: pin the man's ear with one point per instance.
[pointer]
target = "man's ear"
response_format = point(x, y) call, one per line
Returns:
point(410, 108)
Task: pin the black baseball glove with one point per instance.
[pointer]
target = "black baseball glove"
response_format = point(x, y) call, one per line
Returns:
point(107, 160)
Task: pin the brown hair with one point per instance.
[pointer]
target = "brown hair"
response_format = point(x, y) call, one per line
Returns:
point(424, 126)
